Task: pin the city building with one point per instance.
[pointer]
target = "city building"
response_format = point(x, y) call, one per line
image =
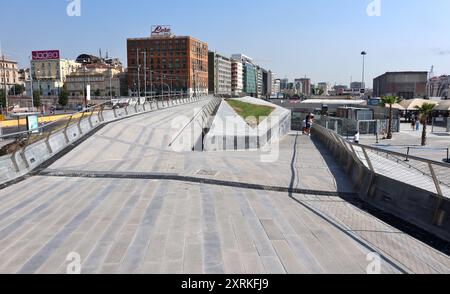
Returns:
point(219, 74)
point(9, 73)
point(439, 87)
point(91, 59)
point(339, 90)
point(298, 86)
point(268, 83)
point(259, 82)
point(250, 79)
point(164, 62)
point(123, 78)
point(357, 86)
point(250, 74)
point(325, 88)
point(276, 88)
point(103, 79)
point(237, 77)
point(49, 72)
point(284, 84)
point(24, 76)
point(408, 85)
point(303, 86)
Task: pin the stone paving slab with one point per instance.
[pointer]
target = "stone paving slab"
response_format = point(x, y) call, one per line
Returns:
point(166, 226)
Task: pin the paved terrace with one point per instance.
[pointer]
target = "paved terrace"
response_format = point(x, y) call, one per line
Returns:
point(127, 203)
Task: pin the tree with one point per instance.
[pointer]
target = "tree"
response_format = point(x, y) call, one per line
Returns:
point(385, 101)
point(424, 112)
point(17, 90)
point(97, 93)
point(63, 97)
point(37, 99)
point(318, 91)
point(2, 98)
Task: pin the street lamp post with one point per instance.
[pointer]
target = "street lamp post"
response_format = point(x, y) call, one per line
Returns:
point(31, 85)
point(138, 75)
point(110, 81)
point(162, 86)
point(85, 87)
point(4, 80)
point(145, 74)
point(169, 89)
point(195, 83)
point(364, 53)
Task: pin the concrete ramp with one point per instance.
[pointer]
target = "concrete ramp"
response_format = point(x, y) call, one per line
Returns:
point(230, 132)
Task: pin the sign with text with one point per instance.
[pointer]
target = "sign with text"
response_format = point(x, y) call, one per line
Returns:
point(33, 123)
point(45, 55)
point(88, 92)
point(159, 30)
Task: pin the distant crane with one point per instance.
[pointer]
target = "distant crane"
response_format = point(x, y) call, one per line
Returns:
point(431, 73)
point(429, 83)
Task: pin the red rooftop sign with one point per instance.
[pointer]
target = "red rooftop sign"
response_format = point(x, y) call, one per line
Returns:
point(161, 30)
point(45, 55)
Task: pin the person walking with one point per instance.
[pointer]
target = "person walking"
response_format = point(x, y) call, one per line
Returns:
point(309, 125)
point(413, 125)
point(305, 125)
point(356, 139)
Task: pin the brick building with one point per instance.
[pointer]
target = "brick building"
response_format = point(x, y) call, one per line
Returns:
point(176, 64)
point(407, 85)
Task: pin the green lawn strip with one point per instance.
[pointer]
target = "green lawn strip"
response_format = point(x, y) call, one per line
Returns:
point(246, 110)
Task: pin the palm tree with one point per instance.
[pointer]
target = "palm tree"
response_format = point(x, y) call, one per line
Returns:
point(425, 111)
point(389, 100)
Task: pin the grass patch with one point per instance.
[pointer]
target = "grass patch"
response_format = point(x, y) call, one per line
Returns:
point(248, 110)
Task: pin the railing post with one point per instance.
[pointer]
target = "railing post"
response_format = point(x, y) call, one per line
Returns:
point(65, 130)
point(435, 180)
point(369, 162)
point(22, 153)
point(79, 124)
point(47, 142)
point(100, 114)
point(437, 214)
point(90, 118)
point(14, 161)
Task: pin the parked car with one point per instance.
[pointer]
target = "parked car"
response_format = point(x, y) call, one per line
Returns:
point(120, 105)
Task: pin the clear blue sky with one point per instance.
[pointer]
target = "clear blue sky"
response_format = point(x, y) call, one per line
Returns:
point(321, 39)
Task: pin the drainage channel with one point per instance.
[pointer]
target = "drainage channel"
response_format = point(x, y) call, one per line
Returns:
point(180, 178)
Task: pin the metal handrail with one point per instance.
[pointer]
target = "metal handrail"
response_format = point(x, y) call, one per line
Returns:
point(193, 118)
point(438, 184)
point(65, 117)
point(394, 153)
point(89, 109)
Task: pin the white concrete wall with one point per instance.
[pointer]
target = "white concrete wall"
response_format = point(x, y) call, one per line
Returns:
point(37, 153)
point(229, 131)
